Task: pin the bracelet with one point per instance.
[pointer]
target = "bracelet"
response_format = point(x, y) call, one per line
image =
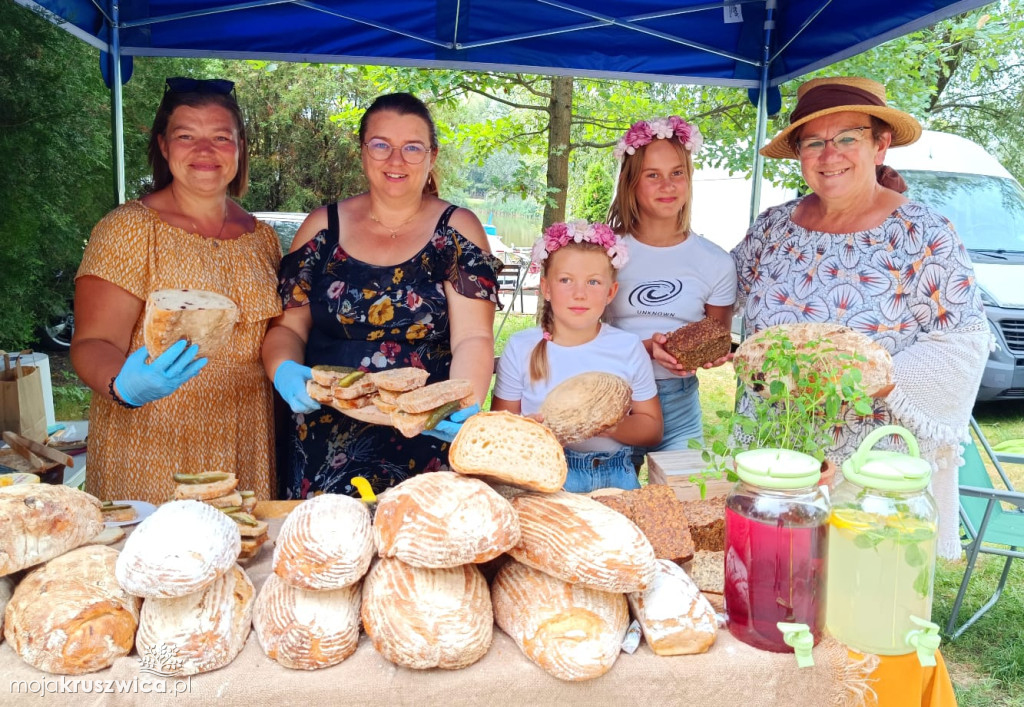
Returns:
point(117, 398)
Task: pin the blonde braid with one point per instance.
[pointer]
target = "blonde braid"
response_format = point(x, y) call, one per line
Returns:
point(539, 357)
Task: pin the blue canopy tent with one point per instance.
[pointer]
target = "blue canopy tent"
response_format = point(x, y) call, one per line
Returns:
point(757, 44)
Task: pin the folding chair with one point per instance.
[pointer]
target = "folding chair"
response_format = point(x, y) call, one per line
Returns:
point(988, 527)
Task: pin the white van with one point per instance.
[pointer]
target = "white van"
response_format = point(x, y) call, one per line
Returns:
point(959, 179)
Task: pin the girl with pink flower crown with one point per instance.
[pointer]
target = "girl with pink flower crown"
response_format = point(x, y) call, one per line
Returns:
point(674, 277)
point(578, 279)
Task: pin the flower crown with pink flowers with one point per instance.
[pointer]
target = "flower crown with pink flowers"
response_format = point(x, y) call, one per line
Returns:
point(559, 235)
point(644, 132)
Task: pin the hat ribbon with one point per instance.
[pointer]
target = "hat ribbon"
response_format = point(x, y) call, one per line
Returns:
point(832, 96)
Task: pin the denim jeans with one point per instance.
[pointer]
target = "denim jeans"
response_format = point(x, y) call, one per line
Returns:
point(680, 411)
point(589, 471)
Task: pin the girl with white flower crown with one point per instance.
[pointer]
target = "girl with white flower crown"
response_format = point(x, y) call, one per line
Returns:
point(674, 277)
point(578, 279)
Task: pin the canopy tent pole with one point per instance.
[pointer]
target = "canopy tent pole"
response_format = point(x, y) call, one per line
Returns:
point(762, 111)
point(116, 105)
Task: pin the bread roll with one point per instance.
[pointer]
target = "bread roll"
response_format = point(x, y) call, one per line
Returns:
point(427, 618)
point(834, 345)
point(585, 405)
point(41, 521)
point(202, 631)
point(569, 630)
point(511, 449)
point(207, 491)
point(306, 630)
point(70, 616)
point(581, 541)
point(675, 617)
point(198, 316)
point(399, 380)
point(325, 543)
point(442, 519)
point(178, 550)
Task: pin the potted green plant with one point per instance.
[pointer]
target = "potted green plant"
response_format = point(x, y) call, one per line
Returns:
point(803, 393)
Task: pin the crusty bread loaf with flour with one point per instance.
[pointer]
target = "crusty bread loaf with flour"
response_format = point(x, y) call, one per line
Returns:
point(511, 449)
point(6, 589)
point(569, 630)
point(586, 405)
point(837, 347)
point(306, 630)
point(581, 541)
point(427, 618)
point(443, 519)
point(325, 543)
point(41, 521)
point(204, 630)
point(179, 550)
point(70, 617)
point(200, 317)
point(675, 617)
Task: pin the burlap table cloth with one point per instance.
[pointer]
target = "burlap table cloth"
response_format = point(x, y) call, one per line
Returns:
point(731, 674)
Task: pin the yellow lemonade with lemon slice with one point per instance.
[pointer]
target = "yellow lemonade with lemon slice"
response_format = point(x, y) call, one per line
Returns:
point(881, 569)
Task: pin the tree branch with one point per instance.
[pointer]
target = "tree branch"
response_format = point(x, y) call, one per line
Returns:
point(524, 106)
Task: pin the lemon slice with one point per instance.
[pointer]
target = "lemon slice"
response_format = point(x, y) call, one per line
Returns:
point(849, 519)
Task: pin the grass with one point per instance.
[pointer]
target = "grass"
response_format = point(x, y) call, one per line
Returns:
point(70, 397)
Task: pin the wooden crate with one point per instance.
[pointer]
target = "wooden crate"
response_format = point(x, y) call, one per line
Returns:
point(674, 469)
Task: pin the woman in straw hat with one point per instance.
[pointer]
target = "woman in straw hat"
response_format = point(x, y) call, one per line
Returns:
point(855, 251)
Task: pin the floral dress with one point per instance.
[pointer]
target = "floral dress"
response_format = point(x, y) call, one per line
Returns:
point(375, 317)
point(907, 277)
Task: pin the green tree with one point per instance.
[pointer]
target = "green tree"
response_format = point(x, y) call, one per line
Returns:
point(595, 195)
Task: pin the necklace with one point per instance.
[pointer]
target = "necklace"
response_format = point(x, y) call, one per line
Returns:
point(195, 228)
point(389, 229)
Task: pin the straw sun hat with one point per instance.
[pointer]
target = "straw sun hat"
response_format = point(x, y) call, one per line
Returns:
point(842, 94)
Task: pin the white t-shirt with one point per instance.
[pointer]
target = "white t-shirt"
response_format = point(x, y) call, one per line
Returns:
point(664, 288)
point(611, 351)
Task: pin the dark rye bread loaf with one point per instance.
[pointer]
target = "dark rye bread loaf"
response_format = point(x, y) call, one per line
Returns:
point(659, 515)
point(707, 522)
point(698, 343)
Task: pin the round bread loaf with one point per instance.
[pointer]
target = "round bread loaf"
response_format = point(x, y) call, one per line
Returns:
point(427, 618)
point(571, 631)
point(201, 631)
point(307, 630)
point(699, 342)
point(41, 521)
point(586, 405)
point(198, 316)
point(496, 444)
point(178, 550)
point(443, 519)
point(70, 617)
point(837, 347)
point(325, 543)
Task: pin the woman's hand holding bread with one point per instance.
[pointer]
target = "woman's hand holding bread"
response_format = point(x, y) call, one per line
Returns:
point(139, 382)
point(446, 429)
point(290, 381)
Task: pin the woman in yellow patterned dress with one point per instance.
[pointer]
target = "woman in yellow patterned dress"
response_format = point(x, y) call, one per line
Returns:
point(179, 412)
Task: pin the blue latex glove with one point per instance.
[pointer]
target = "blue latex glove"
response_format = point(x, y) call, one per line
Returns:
point(447, 428)
point(139, 382)
point(290, 381)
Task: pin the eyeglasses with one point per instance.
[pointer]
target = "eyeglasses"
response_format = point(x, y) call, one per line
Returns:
point(412, 152)
point(843, 141)
point(184, 84)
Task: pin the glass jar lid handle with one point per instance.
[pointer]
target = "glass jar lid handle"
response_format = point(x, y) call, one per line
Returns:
point(859, 457)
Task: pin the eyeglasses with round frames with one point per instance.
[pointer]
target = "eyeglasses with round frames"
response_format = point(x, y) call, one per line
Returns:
point(412, 152)
point(843, 141)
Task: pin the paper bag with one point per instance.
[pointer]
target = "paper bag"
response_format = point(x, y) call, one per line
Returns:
point(21, 399)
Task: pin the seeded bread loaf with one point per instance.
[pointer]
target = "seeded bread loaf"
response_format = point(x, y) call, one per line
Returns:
point(707, 522)
point(708, 571)
point(698, 343)
point(660, 516)
point(198, 316)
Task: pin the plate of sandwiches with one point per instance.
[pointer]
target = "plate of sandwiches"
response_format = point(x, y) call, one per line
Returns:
point(117, 514)
point(399, 397)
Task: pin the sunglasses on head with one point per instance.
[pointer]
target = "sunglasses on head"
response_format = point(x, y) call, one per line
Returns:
point(184, 84)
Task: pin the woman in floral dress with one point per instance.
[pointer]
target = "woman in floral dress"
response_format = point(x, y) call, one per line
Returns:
point(389, 278)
